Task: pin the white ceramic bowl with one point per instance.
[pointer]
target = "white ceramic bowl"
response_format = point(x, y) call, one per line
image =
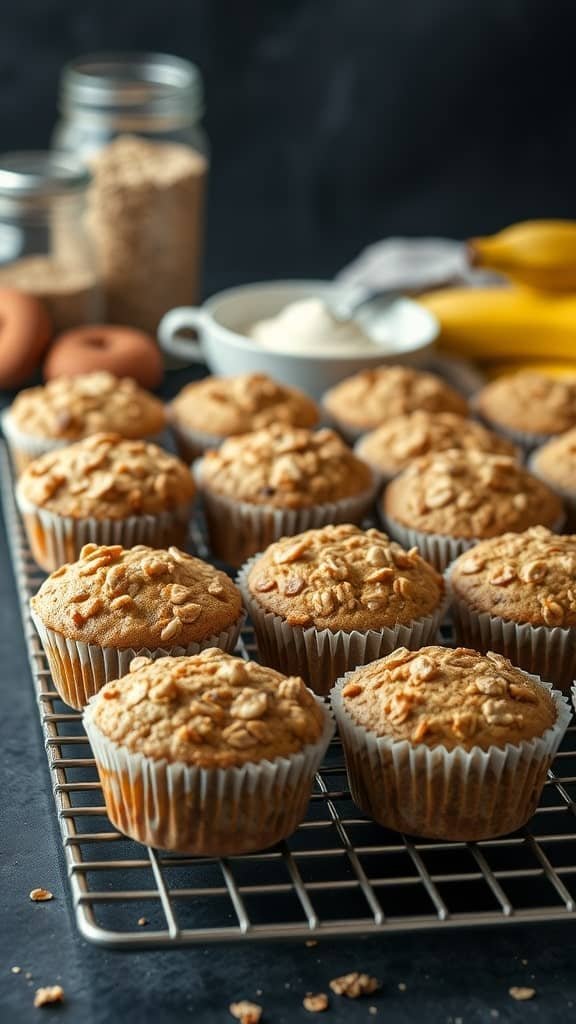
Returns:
point(226, 350)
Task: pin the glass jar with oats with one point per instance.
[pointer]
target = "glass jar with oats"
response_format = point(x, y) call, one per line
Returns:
point(44, 247)
point(134, 119)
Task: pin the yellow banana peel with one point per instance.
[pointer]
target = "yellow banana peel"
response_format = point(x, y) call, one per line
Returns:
point(549, 369)
point(537, 253)
point(490, 324)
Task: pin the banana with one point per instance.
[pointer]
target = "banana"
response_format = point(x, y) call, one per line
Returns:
point(490, 324)
point(493, 370)
point(537, 253)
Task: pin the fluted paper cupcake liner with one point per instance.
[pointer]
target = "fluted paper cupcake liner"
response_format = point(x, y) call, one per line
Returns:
point(24, 448)
point(56, 539)
point(80, 669)
point(192, 444)
point(320, 656)
point(452, 795)
point(568, 497)
point(435, 548)
point(237, 529)
point(207, 812)
point(547, 651)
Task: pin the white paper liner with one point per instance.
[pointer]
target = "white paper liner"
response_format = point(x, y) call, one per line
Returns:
point(79, 669)
point(56, 539)
point(568, 497)
point(192, 444)
point(320, 656)
point(24, 448)
point(206, 811)
point(237, 529)
point(546, 651)
point(452, 795)
point(435, 548)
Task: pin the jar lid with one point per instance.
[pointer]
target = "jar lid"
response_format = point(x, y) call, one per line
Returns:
point(136, 84)
point(35, 173)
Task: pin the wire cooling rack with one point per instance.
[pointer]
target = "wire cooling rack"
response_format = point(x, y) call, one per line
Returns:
point(339, 874)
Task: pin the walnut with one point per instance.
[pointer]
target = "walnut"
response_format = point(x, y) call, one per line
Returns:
point(48, 995)
point(171, 630)
point(189, 612)
point(41, 895)
point(503, 575)
point(178, 594)
point(354, 985)
point(249, 704)
point(315, 1003)
point(552, 612)
point(438, 497)
point(533, 572)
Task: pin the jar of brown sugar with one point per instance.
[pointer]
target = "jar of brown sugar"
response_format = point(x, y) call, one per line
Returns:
point(135, 120)
point(44, 247)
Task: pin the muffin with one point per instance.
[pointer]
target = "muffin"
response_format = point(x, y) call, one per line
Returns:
point(516, 594)
point(448, 744)
point(103, 490)
point(67, 409)
point(392, 447)
point(97, 614)
point(206, 412)
point(528, 407)
point(277, 482)
point(555, 464)
point(445, 502)
point(208, 755)
point(372, 397)
point(331, 599)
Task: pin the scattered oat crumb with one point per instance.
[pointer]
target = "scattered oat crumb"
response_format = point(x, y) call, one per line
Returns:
point(494, 1013)
point(311, 942)
point(48, 995)
point(524, 963)
point(28, 976)
point(457, 1020)
point(521, 993)
point(246, 1012)
point(402, 986)
point(354, 985)
point(142, 921)
point(41, 895)
point(286, 984)
point(315, 1003)
point(373, 1010)
point(258, 991)
point(15, 970)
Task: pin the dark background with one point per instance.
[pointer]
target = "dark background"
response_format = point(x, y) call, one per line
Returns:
point(335, 122)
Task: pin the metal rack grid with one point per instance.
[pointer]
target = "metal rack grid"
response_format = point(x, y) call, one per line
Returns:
point(339, 874)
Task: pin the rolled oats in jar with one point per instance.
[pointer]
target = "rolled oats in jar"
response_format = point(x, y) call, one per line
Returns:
point(135, 121)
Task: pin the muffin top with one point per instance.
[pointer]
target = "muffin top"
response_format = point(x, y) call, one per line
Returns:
point(70, 408)
point(556, 461)
point(224, 406)
point(137, 597)
point(372, 397)
point(530, 402)
point(469, 494)
point(393, 446)
point(210, 710)
point(342, 577)
point(108, 477)
point(286, 468)
point(454, 698)
point(522, 577)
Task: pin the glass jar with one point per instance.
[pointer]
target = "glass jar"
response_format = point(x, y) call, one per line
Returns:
point(44, 248)
point(135, 120)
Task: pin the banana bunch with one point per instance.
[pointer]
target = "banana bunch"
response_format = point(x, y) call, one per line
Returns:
point(533, 320)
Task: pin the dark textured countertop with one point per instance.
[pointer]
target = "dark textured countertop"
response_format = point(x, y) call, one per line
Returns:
point(450, 977)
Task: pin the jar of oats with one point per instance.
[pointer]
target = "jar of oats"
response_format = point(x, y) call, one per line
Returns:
point(134, 119)
point(44, 247)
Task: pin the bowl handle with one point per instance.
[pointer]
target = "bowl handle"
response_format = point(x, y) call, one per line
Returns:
point(190, 317)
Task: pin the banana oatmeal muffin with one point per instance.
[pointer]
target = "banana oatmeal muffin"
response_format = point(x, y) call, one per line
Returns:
point(516, 594)
point(208, 755)
point(372, 397)
point(65, 410)
point(555, 464)
point(392, 447)
point(446, 501)
point(528, 407)
point(107, 490)
point(330, 599)
point(207, 411)
point(449, 744)
point(277, 482)
point(97, 614)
